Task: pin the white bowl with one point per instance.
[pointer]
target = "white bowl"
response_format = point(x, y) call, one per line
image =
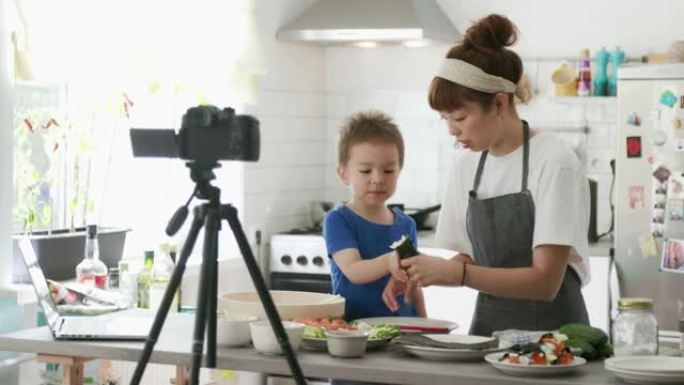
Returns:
point(265, 341)
point(290, 304)
point(233, 331)
point(346, 343)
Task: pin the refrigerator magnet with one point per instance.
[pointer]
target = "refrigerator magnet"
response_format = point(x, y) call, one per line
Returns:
point(679, 144)
point(681, 102)
point(659, 137)
point(676, 123)
point(634, 147)
point(672, 258)
point(648, 246)
point(662, 173)
point(635, 195)
point(667, 98)
point(675, 209)
point(676, 186)
point(634, 119)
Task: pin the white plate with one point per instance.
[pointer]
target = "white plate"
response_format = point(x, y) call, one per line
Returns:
point(533, 370)
point(441, 354)
point(651, 364)
point(411, 321)
point(633, 377)
point(321, 344)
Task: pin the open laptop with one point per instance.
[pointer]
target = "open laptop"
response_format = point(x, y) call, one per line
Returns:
point(85, 327)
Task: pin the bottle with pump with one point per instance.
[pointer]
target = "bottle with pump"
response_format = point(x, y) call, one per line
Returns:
point(145, 280)
point(161, 275)
point(584, 82)
point(601, 78)
point(91, 270)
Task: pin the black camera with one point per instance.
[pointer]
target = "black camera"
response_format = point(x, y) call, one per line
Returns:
point(207, 134)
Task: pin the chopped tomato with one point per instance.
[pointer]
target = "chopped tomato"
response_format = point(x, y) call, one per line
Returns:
point(565, 357)
point(538, 358)
point(514, 359)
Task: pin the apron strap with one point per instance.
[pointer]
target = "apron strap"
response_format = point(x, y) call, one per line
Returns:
point(526, 155)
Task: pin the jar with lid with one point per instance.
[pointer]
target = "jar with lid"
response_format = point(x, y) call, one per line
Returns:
point(635, 331)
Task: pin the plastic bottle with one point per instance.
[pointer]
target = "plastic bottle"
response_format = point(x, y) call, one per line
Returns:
point(144, 280)
point(584, 83)
point(128, 284)
point(617, 57)
point(601, 78)
point(91, 270)
point(161, 275)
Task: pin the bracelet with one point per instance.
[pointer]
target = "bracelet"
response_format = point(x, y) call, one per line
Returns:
point(464, 274)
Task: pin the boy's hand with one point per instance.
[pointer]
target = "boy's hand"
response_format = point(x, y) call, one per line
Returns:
point(395, 268)
point(392, 290)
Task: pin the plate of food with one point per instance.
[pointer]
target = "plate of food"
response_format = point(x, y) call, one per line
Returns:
point(413, 324)
point(547, 357)
point(450, 347)
point(315, 339)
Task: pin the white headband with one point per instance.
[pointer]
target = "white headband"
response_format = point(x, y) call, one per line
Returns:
point(474, 77)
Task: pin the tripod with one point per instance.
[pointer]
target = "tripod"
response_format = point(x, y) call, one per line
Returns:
point(209, 215)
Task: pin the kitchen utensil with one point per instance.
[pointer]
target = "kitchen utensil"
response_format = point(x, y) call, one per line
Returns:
point(290, 304)
point(346, 343)
point(533, 370)
point(565, 81)
point(265, 341)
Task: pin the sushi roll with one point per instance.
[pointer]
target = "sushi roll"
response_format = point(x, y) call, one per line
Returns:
point(404, 247)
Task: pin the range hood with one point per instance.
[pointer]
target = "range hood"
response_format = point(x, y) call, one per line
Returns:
point(386, 21)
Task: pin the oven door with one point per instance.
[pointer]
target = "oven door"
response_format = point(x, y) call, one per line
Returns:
point(317, 283)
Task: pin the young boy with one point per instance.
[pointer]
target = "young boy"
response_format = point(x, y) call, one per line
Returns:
point(358, 234)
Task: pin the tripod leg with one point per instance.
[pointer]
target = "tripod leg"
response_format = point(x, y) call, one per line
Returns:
point(230, 213)
point(209, 258)
point(165, 304)
point(213, 299)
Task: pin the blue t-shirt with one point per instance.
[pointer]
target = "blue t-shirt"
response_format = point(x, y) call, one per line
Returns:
point(344, 229)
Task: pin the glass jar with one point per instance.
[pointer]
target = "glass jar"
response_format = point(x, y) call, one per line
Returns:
point(635, 331)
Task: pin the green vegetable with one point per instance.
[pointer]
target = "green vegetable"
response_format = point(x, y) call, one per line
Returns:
point(605, 350)
point(313, 332)
point(380, 332)
point(596, 337)
point(581, 347)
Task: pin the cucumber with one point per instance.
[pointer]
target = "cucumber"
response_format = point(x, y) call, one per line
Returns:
point(605, 350)
point(596, 337)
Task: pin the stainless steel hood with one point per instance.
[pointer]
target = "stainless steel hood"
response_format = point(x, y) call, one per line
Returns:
point(392, 21)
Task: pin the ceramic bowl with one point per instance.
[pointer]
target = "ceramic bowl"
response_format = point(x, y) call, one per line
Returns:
point(290, 304)
point(346, 343)
point(265, 341)
point(233, 330)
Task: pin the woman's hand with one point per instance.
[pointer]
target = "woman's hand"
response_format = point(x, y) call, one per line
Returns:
point(392, 290)
point(426, 270)
point(395, 268)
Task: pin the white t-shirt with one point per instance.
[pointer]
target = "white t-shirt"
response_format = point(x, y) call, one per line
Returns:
point(559, 188)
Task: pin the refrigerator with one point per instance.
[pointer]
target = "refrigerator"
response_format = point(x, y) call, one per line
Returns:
point(649, 188)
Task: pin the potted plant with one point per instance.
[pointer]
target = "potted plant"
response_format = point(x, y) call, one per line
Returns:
point(52, 192)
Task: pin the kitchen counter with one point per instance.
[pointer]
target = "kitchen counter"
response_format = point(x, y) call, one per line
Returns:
point(389, 366)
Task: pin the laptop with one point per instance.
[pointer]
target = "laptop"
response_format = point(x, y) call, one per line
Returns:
point(80, 328)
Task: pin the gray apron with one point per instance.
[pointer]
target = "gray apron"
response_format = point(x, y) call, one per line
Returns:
point(501, 230)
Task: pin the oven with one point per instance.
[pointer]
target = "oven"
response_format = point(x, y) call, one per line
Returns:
point(299, 262)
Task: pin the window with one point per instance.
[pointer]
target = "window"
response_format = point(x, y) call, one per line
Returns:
point(91, 71)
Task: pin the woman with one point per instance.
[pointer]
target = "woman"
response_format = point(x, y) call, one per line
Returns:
point(516, 205)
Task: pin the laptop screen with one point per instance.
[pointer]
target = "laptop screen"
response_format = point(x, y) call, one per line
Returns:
point(39, 282)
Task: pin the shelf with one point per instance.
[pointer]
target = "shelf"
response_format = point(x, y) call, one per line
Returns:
point(586, 100)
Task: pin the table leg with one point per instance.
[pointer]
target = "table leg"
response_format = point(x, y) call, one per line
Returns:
point(181, 376)
point(72, 366)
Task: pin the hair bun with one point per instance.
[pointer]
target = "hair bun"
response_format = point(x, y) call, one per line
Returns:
point(491, 32)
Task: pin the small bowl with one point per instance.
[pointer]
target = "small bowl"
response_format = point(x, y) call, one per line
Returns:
point(233, 330)
point(265, 341)
point(347, 343)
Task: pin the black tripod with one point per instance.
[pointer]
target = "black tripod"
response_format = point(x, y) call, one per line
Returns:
point(209, 215)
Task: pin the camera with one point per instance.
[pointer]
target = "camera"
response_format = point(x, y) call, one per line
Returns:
point(207, 134)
